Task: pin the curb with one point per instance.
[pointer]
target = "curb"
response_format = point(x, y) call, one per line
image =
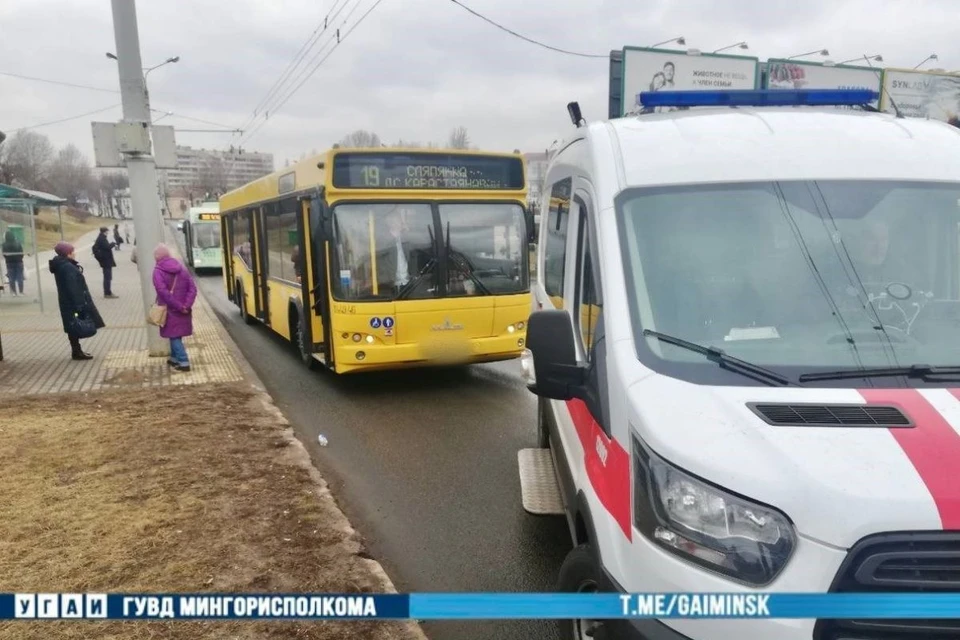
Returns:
point(301, 455)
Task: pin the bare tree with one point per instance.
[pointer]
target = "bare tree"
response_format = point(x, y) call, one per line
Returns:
point(459, 139)
point(26, 159)
point(213, 177)
point(108, 187)
point(70, 175)
point(361, 139)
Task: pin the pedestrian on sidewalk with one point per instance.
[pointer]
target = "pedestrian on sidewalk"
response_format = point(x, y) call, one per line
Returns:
point(177, 291)
point(117, 239)
point(13, 256)
point(73, 296)
point(103, 252)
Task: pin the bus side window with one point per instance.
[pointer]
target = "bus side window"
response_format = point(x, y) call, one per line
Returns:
point(555, 245)
point(587, 297)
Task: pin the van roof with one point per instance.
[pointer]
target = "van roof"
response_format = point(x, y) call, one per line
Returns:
point(780, 143)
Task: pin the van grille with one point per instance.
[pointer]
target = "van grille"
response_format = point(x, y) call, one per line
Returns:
point(833, 415)
point(905, 562)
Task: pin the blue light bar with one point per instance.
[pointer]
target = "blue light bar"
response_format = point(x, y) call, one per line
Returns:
point(758, 98)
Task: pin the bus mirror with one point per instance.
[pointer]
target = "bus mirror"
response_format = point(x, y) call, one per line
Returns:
point(550, 340)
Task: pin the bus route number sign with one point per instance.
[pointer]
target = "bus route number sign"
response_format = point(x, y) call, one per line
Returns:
point(209, 216)
point(427, 171)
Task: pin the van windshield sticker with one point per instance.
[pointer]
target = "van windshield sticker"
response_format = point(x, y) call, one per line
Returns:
point(752, 333)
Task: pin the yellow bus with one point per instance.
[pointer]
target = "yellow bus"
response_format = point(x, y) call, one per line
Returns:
point(373, 259)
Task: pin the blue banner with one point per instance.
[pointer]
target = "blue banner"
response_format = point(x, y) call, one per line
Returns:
point(474, 606)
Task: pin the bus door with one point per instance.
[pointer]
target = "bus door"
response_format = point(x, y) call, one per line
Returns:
point(313, 269)
point(261, 304)
point(226, 235)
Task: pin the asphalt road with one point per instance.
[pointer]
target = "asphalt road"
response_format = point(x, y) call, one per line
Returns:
point(424, 464)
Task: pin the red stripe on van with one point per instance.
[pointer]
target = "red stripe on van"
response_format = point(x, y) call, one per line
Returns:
point(610, 477)
point(932, 446)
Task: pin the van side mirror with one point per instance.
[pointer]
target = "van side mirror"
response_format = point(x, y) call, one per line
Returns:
point(550, 340)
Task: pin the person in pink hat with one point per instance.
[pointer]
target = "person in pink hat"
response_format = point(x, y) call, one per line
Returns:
point(177, 291)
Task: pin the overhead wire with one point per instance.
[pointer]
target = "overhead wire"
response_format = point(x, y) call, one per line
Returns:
point(313, 70)
point(67, 119)
point(58, 82)
point(301, 55)
point(526, 38)
point(332, 39)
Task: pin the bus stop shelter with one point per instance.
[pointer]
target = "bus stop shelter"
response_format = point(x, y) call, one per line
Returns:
point(18, 217)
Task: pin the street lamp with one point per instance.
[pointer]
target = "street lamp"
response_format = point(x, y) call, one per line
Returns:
point(818, 52)
point(930, 57)
point(740, 45)
point(876, 58)
point(680, 40)
point(165, 62)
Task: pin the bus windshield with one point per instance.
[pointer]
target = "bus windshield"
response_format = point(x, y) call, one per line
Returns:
point(798, 276)
point(389, 251)
point(206, 235)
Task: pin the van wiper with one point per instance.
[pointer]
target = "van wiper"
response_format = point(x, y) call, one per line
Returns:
point(726, 361)
point(913, 371)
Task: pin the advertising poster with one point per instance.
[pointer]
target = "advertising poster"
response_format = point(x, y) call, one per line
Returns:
point(922, 94)
point(665, 70)
point(788, 74)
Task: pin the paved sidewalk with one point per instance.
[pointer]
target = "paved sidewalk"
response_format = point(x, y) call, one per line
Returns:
point(37, 354)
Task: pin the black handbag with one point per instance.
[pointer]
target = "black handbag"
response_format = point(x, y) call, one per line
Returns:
point(83, 327)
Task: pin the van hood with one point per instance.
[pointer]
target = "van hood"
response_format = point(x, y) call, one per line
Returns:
point(837, 482)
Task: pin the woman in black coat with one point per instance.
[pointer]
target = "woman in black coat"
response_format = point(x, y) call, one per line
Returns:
point(73, 296)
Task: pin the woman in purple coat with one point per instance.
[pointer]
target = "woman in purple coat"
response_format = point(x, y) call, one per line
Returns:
point(177, 291)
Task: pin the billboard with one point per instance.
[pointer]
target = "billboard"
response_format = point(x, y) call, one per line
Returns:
point(922, 94)
point(789, 74)
point(667, 70)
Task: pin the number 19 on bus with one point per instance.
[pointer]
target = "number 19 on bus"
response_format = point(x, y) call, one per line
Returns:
point(371, 176)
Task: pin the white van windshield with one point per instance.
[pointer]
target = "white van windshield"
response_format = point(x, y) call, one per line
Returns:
point(801, 276)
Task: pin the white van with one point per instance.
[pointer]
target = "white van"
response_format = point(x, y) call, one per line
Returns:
point(746, 347)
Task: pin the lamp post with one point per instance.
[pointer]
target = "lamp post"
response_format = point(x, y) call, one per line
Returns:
point(679, 40)
point(818, 52)
point(930, 57)
point(739, 45)
point(876, 58)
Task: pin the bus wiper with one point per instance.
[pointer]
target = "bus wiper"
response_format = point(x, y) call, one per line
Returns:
point(466, 270)
point(726, 361)
point(913, 371)
point(416, 280)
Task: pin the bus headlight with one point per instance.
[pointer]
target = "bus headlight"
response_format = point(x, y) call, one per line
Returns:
point(357, 337)
point(369, 339)
point(706, 525)
point(511, 329)
point(520, 326)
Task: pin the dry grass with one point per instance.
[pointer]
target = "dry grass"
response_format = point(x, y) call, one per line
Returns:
point(186, 489)
point(48, 228)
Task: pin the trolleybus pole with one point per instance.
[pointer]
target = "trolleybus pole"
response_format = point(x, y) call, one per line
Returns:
point(141, 168)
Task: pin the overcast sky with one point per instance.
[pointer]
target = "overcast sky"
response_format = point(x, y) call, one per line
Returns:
point(414, 69)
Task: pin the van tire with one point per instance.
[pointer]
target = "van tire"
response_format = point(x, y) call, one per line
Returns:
point(543, 432)
point(579, 573)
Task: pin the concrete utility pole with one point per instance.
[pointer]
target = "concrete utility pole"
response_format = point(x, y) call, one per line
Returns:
point(141, 169)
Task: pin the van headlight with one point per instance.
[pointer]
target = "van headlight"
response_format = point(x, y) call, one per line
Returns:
point(706, 525)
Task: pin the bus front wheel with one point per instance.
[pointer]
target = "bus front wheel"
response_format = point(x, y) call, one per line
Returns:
point(242, 303)
point(300, 339)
